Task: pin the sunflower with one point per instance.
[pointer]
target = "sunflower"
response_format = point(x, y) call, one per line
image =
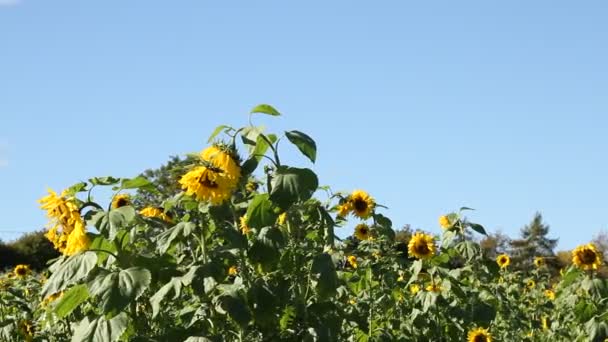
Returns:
point(587, 257)
point(65, 219)
point(78, 240)
point(421, 246)
point(434, 287)
point(362, 204)
point(121, 200)
point(51, 298)
point(243, 225)
point(539, 262)
point(352, 261)
point(414, 288)
point(444, 222)
point(225, 159)
point(155, 212)
point(530, 284)
point(550, 294)
point(344, 209)
point(232, 271)
point(208, 184)
point(479, 335)
point(503, 260)
point(251, 186)
point(21, 270)
point(362, 231)
point(282, 218)
point(26, 329)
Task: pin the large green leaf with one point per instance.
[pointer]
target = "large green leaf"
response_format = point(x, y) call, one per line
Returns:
point(180, 231)
point(235, 306)
point(265, 249)
point(135, 183)
point(260, 212)
point(175, 285)
point(69, 271)
point(110, 223)
point(101, 329)
point(217, 131)
point(291, 184)
point(104, 180)
point(116, 290)
point(265, 109)
point(478, 228)
point(71, 299)
point(305, 144)
point(327, 281)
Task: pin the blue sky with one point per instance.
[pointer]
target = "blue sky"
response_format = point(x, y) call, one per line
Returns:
point(428, 105)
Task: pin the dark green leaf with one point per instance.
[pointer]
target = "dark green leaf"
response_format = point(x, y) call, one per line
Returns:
point(69, 271)
point(327, 282)
point(478, 228)
point(117, 289)
point(305, 144)
point(180, 231)
point(104, 180)
point(265, 109)
point(260, 212)
point(101, 329)
point(291, 184)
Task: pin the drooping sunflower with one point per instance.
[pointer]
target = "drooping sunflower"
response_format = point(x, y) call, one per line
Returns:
point(587, 257)
point(539, 262)
point(479, 335)
point(243, 225)
point(362, 231)
point(550, 294)
point(444, 222)
point(121, 200)
point(225, 159)
point(362, 204)
point(78, 240)
point(421, 246)
point(208, 183)
point(21, 270)
point(352, 261)
point(155, 212)
point(503, 260)
point(64, 217)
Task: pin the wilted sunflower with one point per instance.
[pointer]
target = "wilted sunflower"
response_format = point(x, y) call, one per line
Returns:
point(421, 246)
point(121, 200)
point(78, 240)
point(243, 225)
point(479, 335)
point(503, 260)
point(65, 219)
point(21, 270)
point(352, 261)
point(362, 231)
point(155, 212)
point(362, 203)
point(587, 257)
point(539, 262)
point(225, 159)
point(444, 222)
point(414, 288)
point(550, 294)
point(208, 184)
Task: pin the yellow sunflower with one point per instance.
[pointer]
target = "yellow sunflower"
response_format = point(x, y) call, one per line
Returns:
point(155, 212)
point(121, 200)
point(362, 231)
point(444, 222)
point(503, 260)
point(243, 225)
point(251, 186)
point(550, 294)
point(51, 298)
point(530, 284)
point(223, 158)
point(587, 257)
point(421, 246)
point(479, 335)
point(232, 271)
point(282, 218)
point(208, 184)
point(539, 262)
point(21, 270)
point(362, 203)
point(352, 261)
point(78, 240)
point(26, 329)
point(434, 287)
point(64, 218)
point(414, 288)
point(344, 209)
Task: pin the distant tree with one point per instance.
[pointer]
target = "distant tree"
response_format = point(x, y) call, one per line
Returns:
point(494, 244)
point(601, 242)
point(35, 249)
point(404, 234)
point(534, 242)
point(166, 179)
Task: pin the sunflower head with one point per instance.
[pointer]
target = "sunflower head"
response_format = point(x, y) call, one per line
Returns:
point(352, 261)
point(243, 225)
point(224, 158)
point(445, 222)
point(21, 270)
point(121, 200)
point(362, 231)
point(362, 204)
point(156, 212)
point(414, 288)
point(421, 246)
point(434, 287)
point(530, 284)
point(282, 219)
point(587, 257)
point(539, 262)
point(550, 294)
point(503, 260)
point(208, 183)
point(344, 209)
point(26, 329)
point(479, 335)
point(232, 271)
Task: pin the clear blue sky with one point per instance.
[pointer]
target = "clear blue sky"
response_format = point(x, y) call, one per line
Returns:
point(428, 105)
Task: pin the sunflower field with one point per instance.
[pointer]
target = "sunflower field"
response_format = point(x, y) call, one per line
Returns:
point(248, 251)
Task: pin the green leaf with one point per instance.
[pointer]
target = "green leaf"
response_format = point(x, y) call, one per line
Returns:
point(478, 228)
point(468, 249)
point(305, 144)
point(265, 109)
point(260, 212)
point(78, 187)
point(236, 308)
point(117, 289)
point(101, 329)
point(327, 282)
point(138, 183)
point(216, 131)
point(104, 180)
point(110, 223)
point(466, 208)
point(71, 299)
point(99, 242)
point(265, 249)
point(197, 339)
point(180, 231)
point(175, 285)
point(69, 271)
point(291, 184)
